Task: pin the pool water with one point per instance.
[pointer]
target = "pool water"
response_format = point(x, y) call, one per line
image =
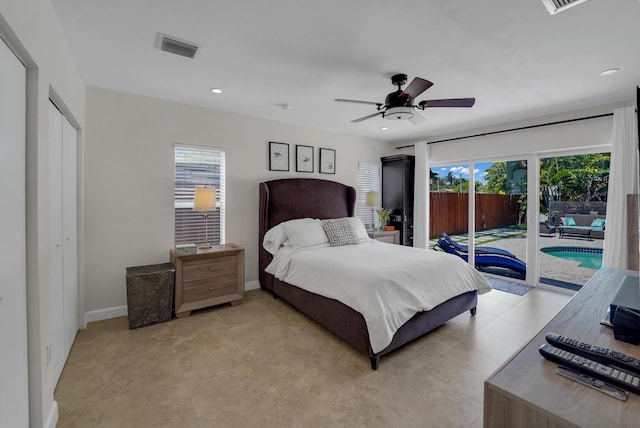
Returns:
point(590, 258)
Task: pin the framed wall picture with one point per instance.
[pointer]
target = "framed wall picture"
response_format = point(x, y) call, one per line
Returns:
point(278, 156)
point(327, 161)
point(304, 158)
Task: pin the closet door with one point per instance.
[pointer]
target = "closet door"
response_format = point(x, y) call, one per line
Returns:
point(14, 399)
point(63, 241)
point(56, 286)
point(69, 232)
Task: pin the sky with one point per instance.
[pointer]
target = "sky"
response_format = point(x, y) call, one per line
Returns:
point(479, 170)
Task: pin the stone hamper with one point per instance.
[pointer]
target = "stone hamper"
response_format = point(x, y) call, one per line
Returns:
point(150, 294)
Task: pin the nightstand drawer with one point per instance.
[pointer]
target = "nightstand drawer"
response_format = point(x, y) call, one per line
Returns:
point(388, 236)
point(388, 239)
point(209, 268)
point(206, 289)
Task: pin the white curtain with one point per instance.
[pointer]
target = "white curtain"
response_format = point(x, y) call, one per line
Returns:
point(623, 180)
point(421, 198)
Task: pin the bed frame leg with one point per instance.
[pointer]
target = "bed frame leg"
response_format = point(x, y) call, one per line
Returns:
point(374, 362)
point(473, 311)
point(275, 296)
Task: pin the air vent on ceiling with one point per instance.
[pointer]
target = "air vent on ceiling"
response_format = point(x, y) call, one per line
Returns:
point(176, 46)
point(555, 6)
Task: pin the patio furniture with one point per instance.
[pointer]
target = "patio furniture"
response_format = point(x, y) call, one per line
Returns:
point(596, 222)
point(548, 228)
point(479, 249)
point(497, 264)
point(576, 231)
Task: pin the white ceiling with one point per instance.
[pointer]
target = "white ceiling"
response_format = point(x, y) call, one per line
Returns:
point(511, 55)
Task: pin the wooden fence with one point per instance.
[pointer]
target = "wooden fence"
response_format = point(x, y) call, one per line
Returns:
point(449, 212)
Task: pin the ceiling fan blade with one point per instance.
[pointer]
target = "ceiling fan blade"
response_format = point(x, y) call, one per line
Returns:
point(416, 118)
point(417, 86)
point(367, 117)
point(453, 102)
point(342, 100)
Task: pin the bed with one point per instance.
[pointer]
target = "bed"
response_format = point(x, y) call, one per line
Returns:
point(298, 198)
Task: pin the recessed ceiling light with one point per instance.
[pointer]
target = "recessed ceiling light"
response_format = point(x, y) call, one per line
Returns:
point(216, 90)
point(384, 128)
point(609, 71)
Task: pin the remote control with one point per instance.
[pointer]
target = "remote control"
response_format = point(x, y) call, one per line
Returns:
point(621, 379)
point(595, 353)
point(594, 383)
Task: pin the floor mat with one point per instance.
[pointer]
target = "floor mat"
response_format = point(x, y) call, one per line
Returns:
point(509, 287)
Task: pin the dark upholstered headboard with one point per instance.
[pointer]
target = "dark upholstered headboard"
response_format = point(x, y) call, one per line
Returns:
point(290, 198)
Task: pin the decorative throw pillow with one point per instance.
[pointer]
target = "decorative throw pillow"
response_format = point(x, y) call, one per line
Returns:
point(340, 232)
point(598, 222)
point(570, 221)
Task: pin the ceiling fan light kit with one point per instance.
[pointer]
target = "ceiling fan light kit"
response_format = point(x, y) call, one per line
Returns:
point(398, 105)
point(398, 113)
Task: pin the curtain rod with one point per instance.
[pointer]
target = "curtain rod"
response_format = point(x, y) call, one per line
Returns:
point(513, 129)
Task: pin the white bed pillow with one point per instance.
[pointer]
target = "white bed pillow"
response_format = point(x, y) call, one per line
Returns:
point(358, 228)
point(274, 239)
point(304, 232)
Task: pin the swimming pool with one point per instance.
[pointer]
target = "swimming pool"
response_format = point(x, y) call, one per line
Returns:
point(590, 258)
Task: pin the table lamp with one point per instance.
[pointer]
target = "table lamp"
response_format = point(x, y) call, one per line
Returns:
point(372, 201)
point(204, 200)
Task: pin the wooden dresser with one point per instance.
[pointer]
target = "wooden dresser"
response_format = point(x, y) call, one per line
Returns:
point(389, 236)
point(208, 277)
point(526, 391)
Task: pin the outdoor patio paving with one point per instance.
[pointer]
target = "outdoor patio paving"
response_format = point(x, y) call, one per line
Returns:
point(551, 267)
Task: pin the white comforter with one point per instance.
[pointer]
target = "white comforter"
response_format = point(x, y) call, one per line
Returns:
point(386, 283)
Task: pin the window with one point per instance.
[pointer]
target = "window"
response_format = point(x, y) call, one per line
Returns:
point(368, 181)
point(195, 167)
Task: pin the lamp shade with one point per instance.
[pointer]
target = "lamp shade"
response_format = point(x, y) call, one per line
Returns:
point(372, 199)
point(204, 199)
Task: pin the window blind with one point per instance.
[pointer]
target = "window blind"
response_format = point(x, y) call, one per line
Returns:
point(368, 181)
point(196, 167)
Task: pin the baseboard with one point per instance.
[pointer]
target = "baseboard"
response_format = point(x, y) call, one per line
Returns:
point(52, 417)
point(104, 314)
point(121, 311)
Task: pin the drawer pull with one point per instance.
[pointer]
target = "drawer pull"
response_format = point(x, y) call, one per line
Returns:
point(210, 288)
point(211, 268)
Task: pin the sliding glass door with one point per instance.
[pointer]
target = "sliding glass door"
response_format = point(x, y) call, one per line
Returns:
point(449, 204)
point(572, 218)
point(500, 218)
point(478, 211)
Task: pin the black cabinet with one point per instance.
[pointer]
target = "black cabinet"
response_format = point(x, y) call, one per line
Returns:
point(397, 193)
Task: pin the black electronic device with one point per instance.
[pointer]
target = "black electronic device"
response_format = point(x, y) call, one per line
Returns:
point(624, 310)
point(626, 325)
point(595, 353)
point(620, 378)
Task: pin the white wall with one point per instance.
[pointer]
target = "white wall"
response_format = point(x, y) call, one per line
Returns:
point(585, 134)
point(32, 29)
point(130, 171)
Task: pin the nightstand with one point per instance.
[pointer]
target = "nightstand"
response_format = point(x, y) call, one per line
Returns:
point(389, 236)
point(208, 277)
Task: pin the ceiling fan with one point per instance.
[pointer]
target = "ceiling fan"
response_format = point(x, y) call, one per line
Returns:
point(399, 105)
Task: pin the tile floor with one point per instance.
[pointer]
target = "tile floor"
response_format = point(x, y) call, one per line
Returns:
point(264, 364)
